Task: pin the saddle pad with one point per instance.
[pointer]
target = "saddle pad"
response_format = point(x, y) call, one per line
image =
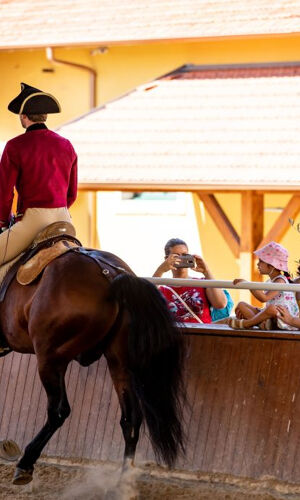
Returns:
point(29, 271)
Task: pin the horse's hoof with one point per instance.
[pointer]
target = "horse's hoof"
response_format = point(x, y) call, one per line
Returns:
point(9, 450)
point(22, 476)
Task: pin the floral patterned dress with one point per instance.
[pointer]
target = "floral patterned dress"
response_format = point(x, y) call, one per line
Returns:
point(194, 297)
point(287, 300)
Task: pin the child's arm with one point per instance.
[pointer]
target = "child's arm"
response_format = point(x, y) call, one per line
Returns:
point(260, 294)
point(287, 318)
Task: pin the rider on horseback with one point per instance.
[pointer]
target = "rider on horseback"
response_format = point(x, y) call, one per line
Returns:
point(42, 166)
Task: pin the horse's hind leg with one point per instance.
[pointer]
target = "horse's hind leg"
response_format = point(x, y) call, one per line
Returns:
point(53, 379)
point(131, 415)
point(131, 420)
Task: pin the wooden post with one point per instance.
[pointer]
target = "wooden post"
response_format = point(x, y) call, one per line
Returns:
point(251, 235)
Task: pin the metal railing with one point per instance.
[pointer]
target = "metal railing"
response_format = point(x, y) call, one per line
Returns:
point(245, 285)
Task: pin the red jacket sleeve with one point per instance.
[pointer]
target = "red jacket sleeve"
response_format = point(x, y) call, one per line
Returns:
point(72, 189)
point(8, 177)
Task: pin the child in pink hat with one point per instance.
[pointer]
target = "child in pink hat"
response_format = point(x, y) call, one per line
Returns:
point(273, 261)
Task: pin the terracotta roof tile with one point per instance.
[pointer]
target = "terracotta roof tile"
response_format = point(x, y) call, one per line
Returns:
point(195, 132)
point(28, 23)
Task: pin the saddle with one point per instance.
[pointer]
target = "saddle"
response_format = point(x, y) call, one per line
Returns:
point(50, 243)
point(55, 240)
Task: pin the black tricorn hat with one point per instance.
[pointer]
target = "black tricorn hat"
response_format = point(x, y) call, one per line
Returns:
point(32, 101)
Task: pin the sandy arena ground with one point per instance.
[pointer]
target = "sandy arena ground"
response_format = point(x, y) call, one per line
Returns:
point(54, 481)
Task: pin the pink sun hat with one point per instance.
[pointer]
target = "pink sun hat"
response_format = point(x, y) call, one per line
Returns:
point(274, 254)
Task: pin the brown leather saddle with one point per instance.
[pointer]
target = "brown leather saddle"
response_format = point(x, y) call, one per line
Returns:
point(55, 240)
point(52, 242)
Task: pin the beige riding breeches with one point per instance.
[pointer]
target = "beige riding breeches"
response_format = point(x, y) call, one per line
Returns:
point(15, 240)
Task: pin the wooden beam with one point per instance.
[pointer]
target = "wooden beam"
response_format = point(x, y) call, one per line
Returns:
point(281, 226)
point(222, 222)
point(252, 220)
point(251, 235)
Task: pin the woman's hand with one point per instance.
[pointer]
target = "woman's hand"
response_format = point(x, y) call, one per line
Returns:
point(171, 261)
point(216, 296)
point(200, 266)
point(168, 264)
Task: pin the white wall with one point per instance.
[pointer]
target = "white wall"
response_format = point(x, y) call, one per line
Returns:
point(137, 230)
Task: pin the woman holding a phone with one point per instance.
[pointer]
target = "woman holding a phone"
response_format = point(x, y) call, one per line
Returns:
point(189, 304)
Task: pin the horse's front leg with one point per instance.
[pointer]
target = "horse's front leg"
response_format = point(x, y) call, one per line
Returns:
point(53, 379)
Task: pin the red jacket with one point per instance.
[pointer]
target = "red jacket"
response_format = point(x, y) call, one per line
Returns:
point(42, 166)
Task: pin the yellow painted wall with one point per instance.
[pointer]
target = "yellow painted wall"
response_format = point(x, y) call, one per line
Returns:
point(70, 86)
point(122, 68)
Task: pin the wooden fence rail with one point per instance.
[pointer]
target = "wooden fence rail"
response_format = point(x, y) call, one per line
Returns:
point(244, 415)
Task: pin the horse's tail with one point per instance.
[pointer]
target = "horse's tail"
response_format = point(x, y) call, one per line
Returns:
point(156, 357)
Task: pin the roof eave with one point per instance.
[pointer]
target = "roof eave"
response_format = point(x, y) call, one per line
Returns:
point(141, 187)
point(135, 41)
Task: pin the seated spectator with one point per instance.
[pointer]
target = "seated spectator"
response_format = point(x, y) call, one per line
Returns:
point(296, 281)
point(283, 312)
point(191, 304)
point(273, 262)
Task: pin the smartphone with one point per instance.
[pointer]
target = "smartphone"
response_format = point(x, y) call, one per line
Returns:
point(186, 261)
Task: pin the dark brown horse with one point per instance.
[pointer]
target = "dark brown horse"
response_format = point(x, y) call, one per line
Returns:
point(73, 311)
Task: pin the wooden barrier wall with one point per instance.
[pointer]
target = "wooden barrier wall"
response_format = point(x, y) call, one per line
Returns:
point(244, 417)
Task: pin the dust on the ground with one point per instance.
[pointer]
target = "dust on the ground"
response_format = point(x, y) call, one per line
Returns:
point(71, 481)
